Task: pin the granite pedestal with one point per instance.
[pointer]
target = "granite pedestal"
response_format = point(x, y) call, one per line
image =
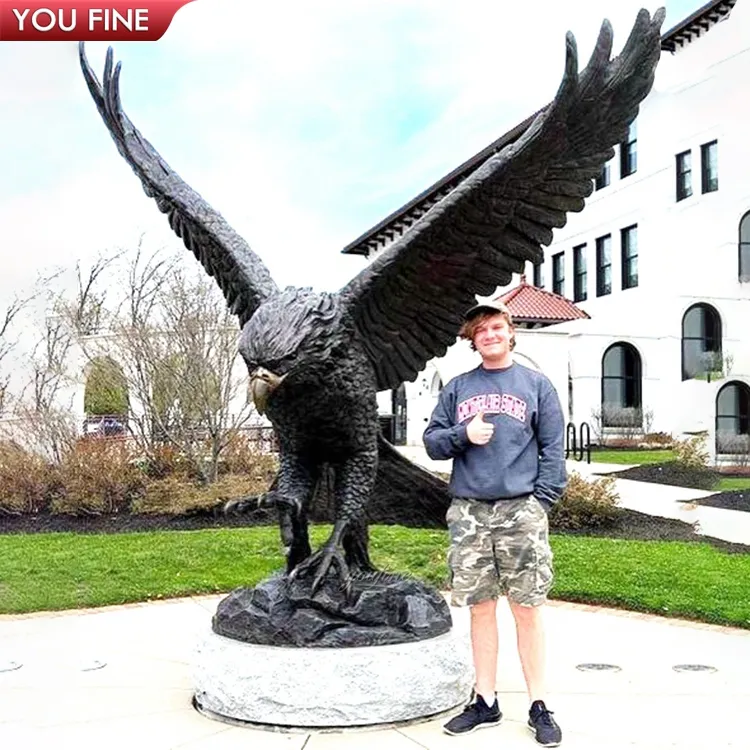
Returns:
point(332, 687)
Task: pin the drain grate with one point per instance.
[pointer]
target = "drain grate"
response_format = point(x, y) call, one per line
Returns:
point(92, 666)
point(694, 668)
point(9, 666)
point(598, 667)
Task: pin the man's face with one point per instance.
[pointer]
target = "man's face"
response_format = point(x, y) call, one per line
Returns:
point(492, 338)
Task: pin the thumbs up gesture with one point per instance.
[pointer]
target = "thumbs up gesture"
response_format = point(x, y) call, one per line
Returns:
point(478, 431)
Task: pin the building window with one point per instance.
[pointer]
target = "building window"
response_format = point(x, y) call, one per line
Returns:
point(733, 419)
point(539, 275)
point(744, 248)
point(629, 247)
point(621, 387)
point(709, 167)
point(701, 343)
point(580, 276)
point(558, 274)
point(684, 175)
point(603, 265)
point(603, 178)
point(629, 152)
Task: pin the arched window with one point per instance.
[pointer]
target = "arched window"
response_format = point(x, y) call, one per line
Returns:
point(733, 418)
point(701, 343)
point(621, 387)
point(744, 248)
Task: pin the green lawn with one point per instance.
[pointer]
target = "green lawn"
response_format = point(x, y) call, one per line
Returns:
point(733, 483)
point(62, 571)
point(632, 457)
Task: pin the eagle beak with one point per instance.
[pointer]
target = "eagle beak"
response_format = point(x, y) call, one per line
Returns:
point(262, 384)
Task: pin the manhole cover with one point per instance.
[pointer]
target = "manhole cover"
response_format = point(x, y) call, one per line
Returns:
point(598, 667)
point(694, 668)
point(92, 666)
point(9, 666)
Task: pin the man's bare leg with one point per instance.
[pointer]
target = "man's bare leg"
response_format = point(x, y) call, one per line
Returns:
point(531, 648)
point(484, 648)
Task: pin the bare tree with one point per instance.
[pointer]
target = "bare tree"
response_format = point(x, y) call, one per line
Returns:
point(48, 426)
point(8, 342)
point(175, 347)
point(176, 344)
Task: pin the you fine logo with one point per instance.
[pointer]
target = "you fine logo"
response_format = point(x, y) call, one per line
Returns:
point(86, 20)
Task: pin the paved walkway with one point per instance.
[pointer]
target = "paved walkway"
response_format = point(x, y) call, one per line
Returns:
point(120, 677)
point(655, 499)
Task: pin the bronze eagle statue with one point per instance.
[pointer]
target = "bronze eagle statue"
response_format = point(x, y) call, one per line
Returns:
point(317, 360)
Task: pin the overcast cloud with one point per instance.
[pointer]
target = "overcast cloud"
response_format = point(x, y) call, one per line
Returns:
point(303, 123)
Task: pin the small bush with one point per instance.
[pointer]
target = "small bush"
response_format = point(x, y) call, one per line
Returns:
point(736, 445)
point(585, 504)
point(166, 461)
point(660, 439)
point(622, 417)
point(692, 453)
point(629, 444)
point(241, 456)
point(98, 476)
point(26, 480)
point(175, 496)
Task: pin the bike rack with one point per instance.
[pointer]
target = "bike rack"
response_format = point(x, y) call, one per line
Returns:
point(572, 445)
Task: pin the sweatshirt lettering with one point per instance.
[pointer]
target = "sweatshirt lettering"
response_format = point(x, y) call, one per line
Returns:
point(492, 403)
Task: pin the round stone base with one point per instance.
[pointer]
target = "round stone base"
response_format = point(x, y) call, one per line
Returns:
point(332, 688)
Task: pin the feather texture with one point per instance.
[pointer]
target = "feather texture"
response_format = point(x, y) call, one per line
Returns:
point(502, 214)
point(239, 272)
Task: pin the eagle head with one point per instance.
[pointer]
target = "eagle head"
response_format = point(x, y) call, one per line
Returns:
point(293, 337)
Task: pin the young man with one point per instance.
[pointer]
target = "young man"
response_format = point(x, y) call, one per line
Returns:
point(503, 426)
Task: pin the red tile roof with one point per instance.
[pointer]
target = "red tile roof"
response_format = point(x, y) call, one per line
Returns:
point(529, 304)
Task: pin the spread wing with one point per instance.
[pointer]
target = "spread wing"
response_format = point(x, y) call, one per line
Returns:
point(408, 303)
point(239, 272)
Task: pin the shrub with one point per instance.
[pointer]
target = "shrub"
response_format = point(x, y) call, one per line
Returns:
point(175, 496)
point(242, 456)
point(629, 444)
point(98, 476)
point(106, 391)
point(622, 417)
point(586, 504)
point(26, 480)
point(165, 461)
point(736, 445)
point(661, 439)
point(692, 453)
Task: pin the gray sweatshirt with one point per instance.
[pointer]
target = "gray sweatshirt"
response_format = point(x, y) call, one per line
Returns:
point(525, 454)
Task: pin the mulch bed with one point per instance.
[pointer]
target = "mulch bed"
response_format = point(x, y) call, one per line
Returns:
point(130, 522)
point(676, 475)
point(733, 500)
point(628, 524)
point(671, 473)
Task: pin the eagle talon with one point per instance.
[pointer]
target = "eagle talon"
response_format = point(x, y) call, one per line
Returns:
point(322, 561)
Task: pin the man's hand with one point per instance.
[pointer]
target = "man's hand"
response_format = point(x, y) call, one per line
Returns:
point(478, 431)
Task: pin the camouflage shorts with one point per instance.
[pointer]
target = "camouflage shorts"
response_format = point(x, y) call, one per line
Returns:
point(499, 548)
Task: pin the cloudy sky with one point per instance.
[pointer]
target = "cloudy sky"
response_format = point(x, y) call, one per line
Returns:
point(303, 123)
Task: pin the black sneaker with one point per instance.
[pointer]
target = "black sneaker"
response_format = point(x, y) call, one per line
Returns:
point(476, 715)
point(545, 728)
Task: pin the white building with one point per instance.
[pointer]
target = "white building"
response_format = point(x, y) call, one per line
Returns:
point(659, 259)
